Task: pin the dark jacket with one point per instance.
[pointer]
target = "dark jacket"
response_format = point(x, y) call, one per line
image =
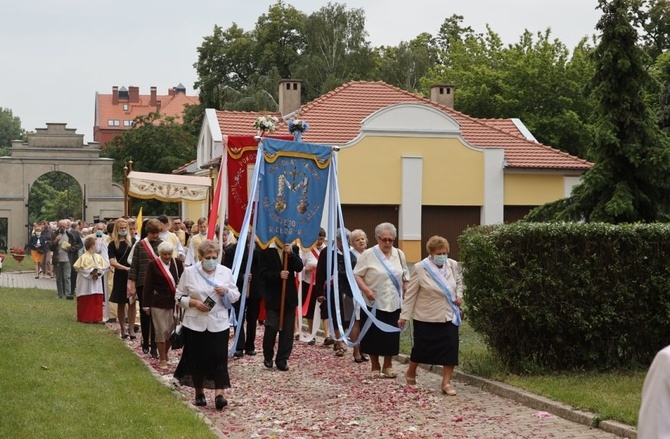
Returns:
point(34, 239)
point(74, 238)
point(157, 292)
point(271, 267)
point(141, 259)
point(342, 281)
point(256, 285)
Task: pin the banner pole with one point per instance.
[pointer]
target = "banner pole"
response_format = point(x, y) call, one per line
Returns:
point(283, 293)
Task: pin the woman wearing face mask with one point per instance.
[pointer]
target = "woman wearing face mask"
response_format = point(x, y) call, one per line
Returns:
point(433, 298)
point(38, 247)
point(119, 249)
point(206, 291)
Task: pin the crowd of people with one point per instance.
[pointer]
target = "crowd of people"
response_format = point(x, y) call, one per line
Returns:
point(171, 266)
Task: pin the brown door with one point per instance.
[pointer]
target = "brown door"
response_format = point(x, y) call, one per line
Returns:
point(449, 222)
point(515, 213)
point(367, 217)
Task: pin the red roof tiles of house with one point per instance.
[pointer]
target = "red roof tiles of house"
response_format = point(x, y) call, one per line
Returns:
point(335, 118)
point(240, 123)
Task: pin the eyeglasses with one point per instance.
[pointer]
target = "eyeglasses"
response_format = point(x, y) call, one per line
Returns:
point(386, 240)
point(211, 258)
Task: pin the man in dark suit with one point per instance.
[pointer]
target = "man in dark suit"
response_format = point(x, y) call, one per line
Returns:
point(274, 275)
point(74, 252)
point(252, 305)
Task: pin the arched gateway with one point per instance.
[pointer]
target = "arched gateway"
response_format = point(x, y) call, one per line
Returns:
point(55, 149)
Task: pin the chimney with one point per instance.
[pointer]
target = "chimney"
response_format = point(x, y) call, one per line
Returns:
point(133, 94)
point(115, 95)
point(171, 91)
point(443, 94)
point(289, 95)
point(152, 100)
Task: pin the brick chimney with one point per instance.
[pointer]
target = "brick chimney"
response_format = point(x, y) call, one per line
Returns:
point(171, 91)
point(289, 95)
point(133, 94)
point(152, 100)
point(443, 94)
point(115, 95)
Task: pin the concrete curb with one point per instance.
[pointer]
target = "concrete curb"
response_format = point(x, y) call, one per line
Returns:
point(534, 401)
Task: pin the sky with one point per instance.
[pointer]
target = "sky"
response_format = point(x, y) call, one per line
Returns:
point(55, 55)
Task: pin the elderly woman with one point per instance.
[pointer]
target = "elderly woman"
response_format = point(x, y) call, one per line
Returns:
point(90, 268)
point(118, 250)
point(433, 298)
point(381, 273)
point(206, 291)
point(160, 285)
point(359, 242)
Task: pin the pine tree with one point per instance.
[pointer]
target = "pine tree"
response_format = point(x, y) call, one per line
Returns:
point(629, 181)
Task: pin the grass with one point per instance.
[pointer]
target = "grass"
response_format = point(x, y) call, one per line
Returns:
point(610, 395)
point(64, 379)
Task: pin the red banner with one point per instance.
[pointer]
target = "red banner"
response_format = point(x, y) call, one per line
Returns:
point(241, 152)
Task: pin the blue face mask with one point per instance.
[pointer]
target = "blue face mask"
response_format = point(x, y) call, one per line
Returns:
point(98, 233)
point(203, 234)
point(209, 264)
point(440, 259)
point(122, 233)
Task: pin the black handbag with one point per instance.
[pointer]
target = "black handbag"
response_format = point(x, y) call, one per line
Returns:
point(177, 336)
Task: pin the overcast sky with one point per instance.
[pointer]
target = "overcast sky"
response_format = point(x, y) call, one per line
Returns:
point(55, 55)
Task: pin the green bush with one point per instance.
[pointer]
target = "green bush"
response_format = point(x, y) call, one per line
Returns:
point(569, 296)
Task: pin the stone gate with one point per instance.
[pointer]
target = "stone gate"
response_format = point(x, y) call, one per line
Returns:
point(55, 149)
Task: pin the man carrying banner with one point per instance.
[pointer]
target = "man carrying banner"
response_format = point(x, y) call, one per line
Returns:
point(279, 267)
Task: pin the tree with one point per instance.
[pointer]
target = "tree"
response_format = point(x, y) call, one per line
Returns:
point(629, 180)
point(337, 50)
point(10, 129)
point(55, 196)
point(404, 65)
point(154, 144)
point(652, 17)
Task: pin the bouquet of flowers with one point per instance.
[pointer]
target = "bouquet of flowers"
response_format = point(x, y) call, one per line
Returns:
point(266, 123)
point(297, 125)
point(17, 251)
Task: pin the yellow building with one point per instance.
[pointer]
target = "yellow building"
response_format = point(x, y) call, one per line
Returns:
point(415, 162)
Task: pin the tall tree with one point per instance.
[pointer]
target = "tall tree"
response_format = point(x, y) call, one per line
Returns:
point(10, 129)
point(405, 64)
point(279, 39)
point(154, 144)
point(652, 17)
point(629, 180)
point(337, 50)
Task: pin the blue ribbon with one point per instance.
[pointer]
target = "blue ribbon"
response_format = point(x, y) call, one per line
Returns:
point(440, 281)
point(225, 300)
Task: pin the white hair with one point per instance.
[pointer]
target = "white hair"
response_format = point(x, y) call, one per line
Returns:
point(385, 227)
point(165, 247)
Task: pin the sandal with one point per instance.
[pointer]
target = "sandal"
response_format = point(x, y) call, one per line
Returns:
point(375, 374)
point(389, 373)
point(411, 381)
point(339, 352)
point(447, 389)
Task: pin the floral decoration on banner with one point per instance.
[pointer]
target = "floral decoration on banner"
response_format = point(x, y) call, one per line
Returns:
point(17, 251)
point(266, 123)
point(297, 125)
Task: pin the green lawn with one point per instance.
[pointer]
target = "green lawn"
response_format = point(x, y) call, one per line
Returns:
point(64, 379)
point(614, 395)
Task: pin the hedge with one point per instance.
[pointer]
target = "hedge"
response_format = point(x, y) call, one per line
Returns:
point(563, 296)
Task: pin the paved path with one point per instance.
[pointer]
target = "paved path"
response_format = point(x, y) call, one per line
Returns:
point(324, 396)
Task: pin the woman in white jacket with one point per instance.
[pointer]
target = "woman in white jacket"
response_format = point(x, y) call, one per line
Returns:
point(206, 291)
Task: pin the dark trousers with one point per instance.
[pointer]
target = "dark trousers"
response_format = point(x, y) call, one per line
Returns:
point(253, 307)
point(146, 325)
point(285, 343)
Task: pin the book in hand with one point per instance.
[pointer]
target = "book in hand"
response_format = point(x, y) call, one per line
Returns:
point(65, 245)
point(209, 303)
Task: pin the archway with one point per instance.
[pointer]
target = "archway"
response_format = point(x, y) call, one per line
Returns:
point(53, 196)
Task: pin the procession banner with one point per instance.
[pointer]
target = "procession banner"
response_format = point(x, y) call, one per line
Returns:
point(293, 182)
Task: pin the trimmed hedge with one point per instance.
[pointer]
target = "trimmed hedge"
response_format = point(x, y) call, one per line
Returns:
point(565, 296)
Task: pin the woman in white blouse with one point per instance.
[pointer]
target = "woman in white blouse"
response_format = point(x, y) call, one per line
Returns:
point(381, 273)
point(433, 298)
point(206, 291)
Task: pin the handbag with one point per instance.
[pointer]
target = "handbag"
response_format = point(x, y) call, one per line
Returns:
point(177, 336)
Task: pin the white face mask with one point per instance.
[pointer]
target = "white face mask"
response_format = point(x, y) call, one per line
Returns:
point(209, 264)
point(440, 259)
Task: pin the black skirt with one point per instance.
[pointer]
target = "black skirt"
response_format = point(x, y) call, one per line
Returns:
point(435, 343)
point(378, 342)
point(204, 360)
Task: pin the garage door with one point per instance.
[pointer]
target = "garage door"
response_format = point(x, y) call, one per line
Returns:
point(449, 222)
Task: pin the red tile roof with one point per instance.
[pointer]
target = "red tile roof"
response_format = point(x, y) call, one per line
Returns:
point(335, 118)
point(240, 123)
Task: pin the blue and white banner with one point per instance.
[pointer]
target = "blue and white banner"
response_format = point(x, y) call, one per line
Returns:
point(292, 192)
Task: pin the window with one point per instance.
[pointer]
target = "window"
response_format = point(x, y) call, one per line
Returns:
point(113, 122)
point(125, 107)
point(127, 123)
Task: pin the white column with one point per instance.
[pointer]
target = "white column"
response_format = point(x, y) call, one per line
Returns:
point(493, 210)
point(409, 227)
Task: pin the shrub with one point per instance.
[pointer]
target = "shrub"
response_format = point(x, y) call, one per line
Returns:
point(565, 296)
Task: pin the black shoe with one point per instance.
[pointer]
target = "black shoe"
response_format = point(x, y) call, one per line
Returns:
point(268, 364)
point(220, 402)
point(359, 360)
point(70, 297)
point(200, 400)
point(312, 342)
point(281, 365)
point(251, 353)
point(365, 358)
point(238, 354)
point(154, 353)
point(136, 328)
point(328, 341)
point(112, 320)
point(145, 350)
